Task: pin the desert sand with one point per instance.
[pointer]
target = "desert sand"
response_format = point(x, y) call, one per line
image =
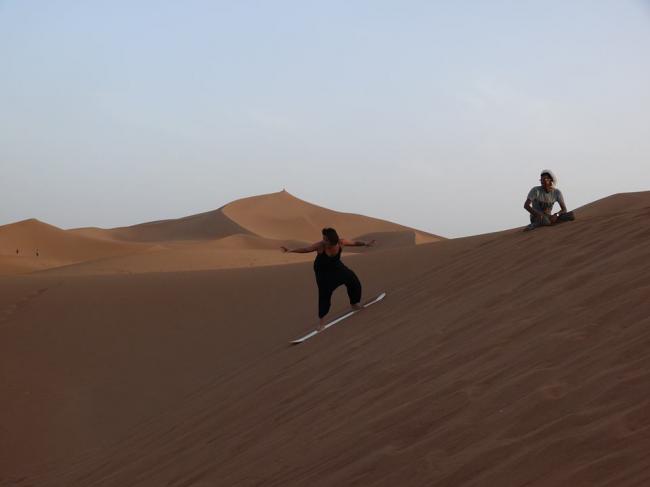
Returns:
point(244, 233)
point(158, 354)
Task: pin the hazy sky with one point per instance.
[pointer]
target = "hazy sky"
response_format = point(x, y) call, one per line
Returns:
point(433, 114)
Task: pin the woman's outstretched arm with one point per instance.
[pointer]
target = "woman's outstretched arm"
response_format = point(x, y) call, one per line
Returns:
point(303, 250)
point(356, 243)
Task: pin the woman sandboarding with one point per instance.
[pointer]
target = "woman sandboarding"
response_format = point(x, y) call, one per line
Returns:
point(331, 272)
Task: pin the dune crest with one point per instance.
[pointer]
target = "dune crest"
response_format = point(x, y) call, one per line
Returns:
point(615, 204)
point(209, 225)
point(282, 215)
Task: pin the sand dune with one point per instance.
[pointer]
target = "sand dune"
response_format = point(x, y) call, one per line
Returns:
point(275, 216)
point(209, 225)
point(56, 247)
point(388, 240)
point(181, 258)
point(251, 229)
point(282, 215)
point(617, 204)
point(504, 359)
point(251, 242)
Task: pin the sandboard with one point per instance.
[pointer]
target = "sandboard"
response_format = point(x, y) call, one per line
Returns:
point(337, 320)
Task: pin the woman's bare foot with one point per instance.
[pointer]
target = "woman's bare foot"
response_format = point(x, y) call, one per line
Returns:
point(321, 325)
point(356, 306)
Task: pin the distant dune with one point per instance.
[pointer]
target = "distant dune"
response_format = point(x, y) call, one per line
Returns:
point(281, 215)
point(244, 233)
point(210, 225)
point(55, 247)
point(506, 359)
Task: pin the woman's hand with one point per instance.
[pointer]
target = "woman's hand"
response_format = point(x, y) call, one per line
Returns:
point(284, 249)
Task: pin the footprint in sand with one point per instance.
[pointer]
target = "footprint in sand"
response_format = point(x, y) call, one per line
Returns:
point(634, 375)
point(554, 391)
point(474, 391)
point(632, 422)
point(7, 311)
point(10, 309)
point(577, 335)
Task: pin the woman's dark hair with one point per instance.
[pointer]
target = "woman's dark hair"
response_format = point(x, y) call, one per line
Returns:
point(331, 235)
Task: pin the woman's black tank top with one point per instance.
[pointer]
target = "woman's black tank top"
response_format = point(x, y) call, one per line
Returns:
point(325, 263)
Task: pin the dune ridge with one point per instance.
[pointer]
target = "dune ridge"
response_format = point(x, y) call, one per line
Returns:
point(210, 225)
point(276, 216)
point(243, 233)
point(282, 215)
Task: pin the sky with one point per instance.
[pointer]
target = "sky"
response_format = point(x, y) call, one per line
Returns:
point(438, 115)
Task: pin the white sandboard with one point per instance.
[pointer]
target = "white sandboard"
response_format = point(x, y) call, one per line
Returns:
point(338, 320)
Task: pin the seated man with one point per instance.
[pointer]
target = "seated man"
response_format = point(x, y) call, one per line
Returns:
point(540, 203)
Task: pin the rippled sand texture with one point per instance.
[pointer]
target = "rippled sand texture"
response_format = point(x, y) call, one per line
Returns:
point(508, 359)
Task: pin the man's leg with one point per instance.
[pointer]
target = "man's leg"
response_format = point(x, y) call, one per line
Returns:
point(535, 221)
point(538, 221)
point(566, 217)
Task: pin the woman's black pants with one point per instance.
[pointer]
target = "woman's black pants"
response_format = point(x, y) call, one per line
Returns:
point(328, 281)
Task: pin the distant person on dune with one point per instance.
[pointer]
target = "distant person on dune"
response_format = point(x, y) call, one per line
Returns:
point(540, 201)
point(331, 272)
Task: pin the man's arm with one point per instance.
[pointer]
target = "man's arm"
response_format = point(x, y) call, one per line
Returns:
point(562, 205)
point(356, 243)
point(528, 205)
point(303, 250)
